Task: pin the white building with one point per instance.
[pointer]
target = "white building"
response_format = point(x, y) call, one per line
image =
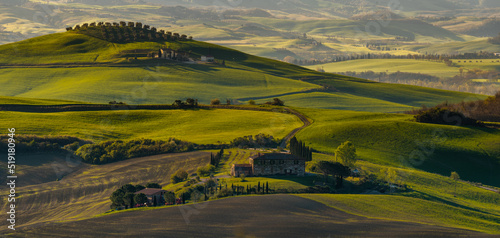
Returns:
point(207, 58)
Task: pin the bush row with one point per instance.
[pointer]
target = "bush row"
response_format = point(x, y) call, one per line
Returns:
point(116, 150)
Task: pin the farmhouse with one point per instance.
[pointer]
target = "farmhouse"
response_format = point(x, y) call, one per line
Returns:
point(207, 58)
point(167, 53)
point(154, 195)
point(497, 54)
point(271, 164)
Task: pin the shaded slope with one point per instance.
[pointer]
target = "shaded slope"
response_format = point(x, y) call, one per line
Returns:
point(394, 139)
point(260, 216)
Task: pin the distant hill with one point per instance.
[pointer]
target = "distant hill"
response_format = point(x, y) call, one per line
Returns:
point(74, 66)
point(485, 28)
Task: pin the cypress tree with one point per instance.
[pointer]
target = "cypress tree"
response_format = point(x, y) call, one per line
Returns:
point(267, 187)
point(258, 187)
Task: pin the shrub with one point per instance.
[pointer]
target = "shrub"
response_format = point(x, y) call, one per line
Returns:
point(251, 102)
point(179, 176)
point(215, 102)
point(205, 171)
point(225, 192)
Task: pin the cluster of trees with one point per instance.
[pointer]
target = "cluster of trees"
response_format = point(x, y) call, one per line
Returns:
point(189, 103)
point(210, 168)
point(474, 111)
point(36, 143)
point(116, 150)
point(259, 141)
point(336, 169)
point(126, 32)
point(215, 159)
point(125, 196)
point(300, 149)
point(446, 116)
point(425, 56)
point(276, 102)
point(345, 156)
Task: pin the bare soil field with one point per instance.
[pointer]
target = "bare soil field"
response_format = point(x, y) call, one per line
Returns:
point(250, 216)
point(84, 190)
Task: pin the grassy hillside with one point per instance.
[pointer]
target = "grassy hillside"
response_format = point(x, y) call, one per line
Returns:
point(391, 66)
point(71, 66)
point(431, 199)
point(394, 139)
point(34, 101)
point(198, 126)
point(458, 47)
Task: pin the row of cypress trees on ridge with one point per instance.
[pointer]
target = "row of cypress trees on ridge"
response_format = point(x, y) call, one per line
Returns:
point(127, 32)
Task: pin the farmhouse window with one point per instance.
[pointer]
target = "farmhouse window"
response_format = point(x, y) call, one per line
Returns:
point(296, 162)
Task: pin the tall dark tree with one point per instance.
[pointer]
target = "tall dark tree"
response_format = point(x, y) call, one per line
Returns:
point(128, 200)
point(140, 198)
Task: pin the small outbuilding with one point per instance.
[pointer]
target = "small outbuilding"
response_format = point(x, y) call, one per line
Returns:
point(239, 169)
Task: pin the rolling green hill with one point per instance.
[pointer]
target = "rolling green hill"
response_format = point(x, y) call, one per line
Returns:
point(72, 66)
point(391, 66)
point(198, 126)
point(458, 47)
point(394, 139)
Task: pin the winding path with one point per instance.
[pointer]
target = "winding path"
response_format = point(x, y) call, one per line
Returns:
point(290, 135)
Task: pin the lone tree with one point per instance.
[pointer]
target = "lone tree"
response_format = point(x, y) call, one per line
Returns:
point(454, 175)
point(128, 200)
point(346, 153)
point(169, 197)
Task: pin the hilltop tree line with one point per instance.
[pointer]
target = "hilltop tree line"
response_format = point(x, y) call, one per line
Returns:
point(126, 32)
point(257, 141)
point(300, 149)
point(34, 143)
point(116, 150)
point(425, 56)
